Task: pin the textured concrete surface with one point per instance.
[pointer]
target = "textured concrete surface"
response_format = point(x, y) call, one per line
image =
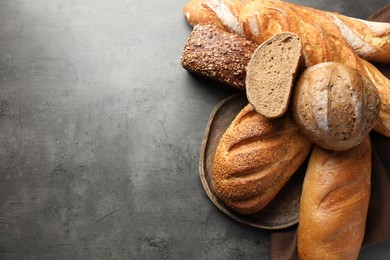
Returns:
point(100, 131)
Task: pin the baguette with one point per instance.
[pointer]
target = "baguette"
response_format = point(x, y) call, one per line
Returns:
point(334, 203)
point(259, 20)
point(255, 158)
point(325, 36)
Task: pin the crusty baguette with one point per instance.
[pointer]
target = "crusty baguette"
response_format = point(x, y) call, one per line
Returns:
point(334, 105)
point(259, 20)
point(255, 158)
point(271, 73)
point(205, 12)
point(325, 36)
point(334, 203)
point(215, 53)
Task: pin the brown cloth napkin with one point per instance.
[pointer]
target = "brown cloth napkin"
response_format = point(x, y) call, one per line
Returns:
point(283, 243)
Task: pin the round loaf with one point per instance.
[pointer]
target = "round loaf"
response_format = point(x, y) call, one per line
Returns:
point(255, 158)
point(335, 106)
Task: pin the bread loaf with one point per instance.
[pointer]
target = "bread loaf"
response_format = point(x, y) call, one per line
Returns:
point(217, 54)
point(271, 73)
point(334, 203)
point(259, 20)
point(325, 36)
point(334, 105)
point(255, 158)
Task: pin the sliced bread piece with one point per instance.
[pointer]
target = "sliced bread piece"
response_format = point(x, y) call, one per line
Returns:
point(271, 72)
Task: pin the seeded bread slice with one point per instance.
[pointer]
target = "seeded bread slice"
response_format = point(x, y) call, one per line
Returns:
point(271, 72)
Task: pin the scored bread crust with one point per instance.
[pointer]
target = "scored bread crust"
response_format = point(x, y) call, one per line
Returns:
point(255, 158)
point(258, 20)
point(215, 12)
point(334, 203)
point(271, 73)
point(334, 105)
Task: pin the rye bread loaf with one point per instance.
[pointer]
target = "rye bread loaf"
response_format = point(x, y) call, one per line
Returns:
point(335, 106)
point(271, 73)
point(334, 203)
point(255, 157)
point(217, 54)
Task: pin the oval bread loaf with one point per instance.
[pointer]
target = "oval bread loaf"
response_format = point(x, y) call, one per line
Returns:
point(334, 203)
point(255, 158)
point(335, 105)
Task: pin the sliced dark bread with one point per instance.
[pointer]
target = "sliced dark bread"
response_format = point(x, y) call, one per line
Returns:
point(271, 72)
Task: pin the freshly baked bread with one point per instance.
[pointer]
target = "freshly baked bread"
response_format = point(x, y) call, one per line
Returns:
point(325, 36)
point(334, 105)
point(271, 73)
point(259, 20)
point(255, 158)
point(334, 203)
point(215, 53)
point(216, 13)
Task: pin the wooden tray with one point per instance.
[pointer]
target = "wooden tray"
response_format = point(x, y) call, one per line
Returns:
point(283, 211)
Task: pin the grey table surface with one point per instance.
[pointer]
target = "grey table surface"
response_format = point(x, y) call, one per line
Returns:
point(100, 132)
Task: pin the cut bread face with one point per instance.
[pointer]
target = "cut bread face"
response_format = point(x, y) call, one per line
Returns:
point(271, 73)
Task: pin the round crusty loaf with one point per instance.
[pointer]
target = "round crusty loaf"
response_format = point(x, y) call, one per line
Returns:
point(335, 105)
point(255, 158)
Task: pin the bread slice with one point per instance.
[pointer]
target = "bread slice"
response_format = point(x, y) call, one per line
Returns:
point(214, 53)
point(271, 72)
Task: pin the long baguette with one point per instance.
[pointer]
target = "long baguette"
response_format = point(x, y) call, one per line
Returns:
point(258, 20)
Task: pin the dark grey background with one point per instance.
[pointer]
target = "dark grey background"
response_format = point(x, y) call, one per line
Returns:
point(100, 135)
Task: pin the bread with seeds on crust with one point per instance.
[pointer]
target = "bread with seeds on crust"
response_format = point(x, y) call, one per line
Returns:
point(255, 158)
point(215, 53)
